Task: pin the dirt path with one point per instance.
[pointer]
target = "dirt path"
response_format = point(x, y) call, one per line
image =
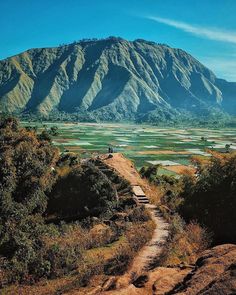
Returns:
point(126, 169)
point(154, 248)
point(150, 252)
point(142, 261)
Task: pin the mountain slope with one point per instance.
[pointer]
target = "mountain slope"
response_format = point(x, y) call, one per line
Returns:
point(112, 79)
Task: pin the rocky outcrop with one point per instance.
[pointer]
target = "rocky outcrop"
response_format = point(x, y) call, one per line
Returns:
point(213, 274)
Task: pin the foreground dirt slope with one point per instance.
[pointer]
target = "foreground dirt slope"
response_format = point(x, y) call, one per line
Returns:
point(126, 169)
point(213, 274)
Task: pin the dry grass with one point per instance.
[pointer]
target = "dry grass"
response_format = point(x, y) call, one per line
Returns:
point(155, 193)
point(181, 169)
point(77, 236)
point(72, 235)
point(139, 234)
point(127, 170)
point(99, 256)
point(186, 244)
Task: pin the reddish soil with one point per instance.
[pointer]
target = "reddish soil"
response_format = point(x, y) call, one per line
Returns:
point(126, 169)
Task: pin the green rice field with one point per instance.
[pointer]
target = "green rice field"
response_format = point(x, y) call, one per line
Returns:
point(140, 143)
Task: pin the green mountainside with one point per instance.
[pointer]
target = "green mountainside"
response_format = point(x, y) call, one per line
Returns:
point(113, 79)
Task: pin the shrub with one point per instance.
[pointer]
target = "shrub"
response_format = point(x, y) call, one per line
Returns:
point(118, 264)
point(185, 243)
point(149, 172)
point(211, 197)
point(144, 230)
point(26, 176)
point(84, 191)
point(127, 201)
point(139, 214)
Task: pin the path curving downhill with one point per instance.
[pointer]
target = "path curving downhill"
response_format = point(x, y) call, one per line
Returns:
point(153, 249)
point(149, 253)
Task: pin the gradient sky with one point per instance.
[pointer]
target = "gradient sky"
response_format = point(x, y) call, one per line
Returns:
point(204, 28)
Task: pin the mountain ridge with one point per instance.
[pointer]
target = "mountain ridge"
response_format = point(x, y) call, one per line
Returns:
point(113, 79)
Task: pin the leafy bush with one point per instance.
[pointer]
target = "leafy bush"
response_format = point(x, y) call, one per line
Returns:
point(149, 172)
point(84, 191)
point(26, 176)
point(211, 197)
point(45, 135)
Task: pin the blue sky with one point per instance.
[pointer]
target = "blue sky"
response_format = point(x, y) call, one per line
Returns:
point(204, 28)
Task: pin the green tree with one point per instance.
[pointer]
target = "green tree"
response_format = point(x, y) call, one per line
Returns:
point(45, 135)
point(211, 197)
point(227, 148)
point(84, 191)
point(149, 172)
point(54, 130)
point(26, 176)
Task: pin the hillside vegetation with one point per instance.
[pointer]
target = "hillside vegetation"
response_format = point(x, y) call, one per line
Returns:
point(200, 208)
point(68, 224)
point(211, 197)
point(113, 80)
point(59, 217)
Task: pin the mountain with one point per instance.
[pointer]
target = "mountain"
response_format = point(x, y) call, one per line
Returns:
point(113, 79)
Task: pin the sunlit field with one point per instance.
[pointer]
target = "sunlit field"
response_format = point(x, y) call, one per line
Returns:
point(173, 148)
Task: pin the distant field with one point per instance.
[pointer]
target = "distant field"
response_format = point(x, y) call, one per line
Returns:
point(142, 144)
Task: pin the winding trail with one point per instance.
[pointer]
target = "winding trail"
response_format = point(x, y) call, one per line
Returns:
point(149, 253)
point(153, 249)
